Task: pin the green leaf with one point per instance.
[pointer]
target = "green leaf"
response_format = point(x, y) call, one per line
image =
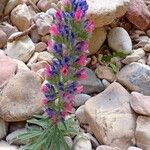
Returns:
point(107, 58)
point(119, 54)
point(114, 68)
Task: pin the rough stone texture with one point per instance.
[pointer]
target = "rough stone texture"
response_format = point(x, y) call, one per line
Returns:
point(103, 12)
point(104, 72)
point(147, 48)
point(43, 22)
point(107, 113)
point(136, 77)
point(119, 40)
point(21, 16)
point(3, 39)
point(13, 126)
point(44, 5)
point(135, 56)
point(138, 14)
point(97, 40)
point(5, 146)
point(140, 103)
point(80, 115)
point(8, 67)
point(92, 83)
point(82, 143)
point(80, 99)
point(41, 46)
point(2, 6)
point(8, 29)
point(21, 49)
point(3, 128)
point(17, 102)
point(105, 147)
point(142, 132)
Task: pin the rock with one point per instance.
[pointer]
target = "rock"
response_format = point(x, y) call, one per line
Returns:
point(8, 69)
point(2, 6)
point(10, 137)
point(21, 49)
point(134, 148)
point(147, 48)
point(104, 12)
point(136, 77)
point(44, 5)
point(8, 29)
point(107, 112)
point(68, 141)
point(142, 135)
point(5, 146)
point(21, 17)
point(97, 40)
point(80, 115)
point(43, 22)
point(105, 147)
point(35, 36)
point(104, 72)
point(148, 60)
point(82, 143)
point(40, 47)
point(140, 103)
point(33, 59)
point(138, 14)
point(119, 40)
point(45, 56)
point(80, 99)
point(92, 83)
point(10, 6)
point(135, 56)
point(148, 32)
point(3, 128)
point(105, 83)
point(17, 102)
point(21, 66)
point(3, 39)
point(39, 65)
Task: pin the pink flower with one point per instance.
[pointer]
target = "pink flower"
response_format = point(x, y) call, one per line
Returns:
point(45, 101)
point(66, 2)
point(82, 61)
point(79, 89)
point(90, 26)
point(44, 89)
point(54, 30)
point(78, 15)
point(82, 75)
point(64, 70)
point(59, 15)
point(68, 97)
point(50, 45)
point(48, 71)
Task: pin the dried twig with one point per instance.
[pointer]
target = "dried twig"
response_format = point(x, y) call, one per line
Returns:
point(21, 34)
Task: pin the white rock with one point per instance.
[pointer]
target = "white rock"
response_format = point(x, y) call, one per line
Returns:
point(147, 48)
point(134, 148)
point(135, 56)
point(119, 40)
point(105, 147)
point(103, 12)
point(97, 40)
point(21, 49)
point(6, 146)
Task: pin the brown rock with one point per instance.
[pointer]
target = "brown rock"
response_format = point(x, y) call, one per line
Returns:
point(3, 39)
point(138, 14)
point(2, 6)
point(21, 97)
point(107, 113)
point(41, 46)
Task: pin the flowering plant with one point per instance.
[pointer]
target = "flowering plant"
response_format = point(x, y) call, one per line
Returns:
point(69, 32)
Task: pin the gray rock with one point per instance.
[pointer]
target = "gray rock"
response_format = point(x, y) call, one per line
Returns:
point(134, 148)
point(92, 83)
point(5, 146)
point(105, 147)
point(142, 135)
point(136, 77)
point(80, 99)
point(119, 40)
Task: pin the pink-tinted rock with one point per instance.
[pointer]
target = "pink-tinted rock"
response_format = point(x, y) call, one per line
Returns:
point(39, 65)
point(138, 14)
point(140, 103)
point(8, 68)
